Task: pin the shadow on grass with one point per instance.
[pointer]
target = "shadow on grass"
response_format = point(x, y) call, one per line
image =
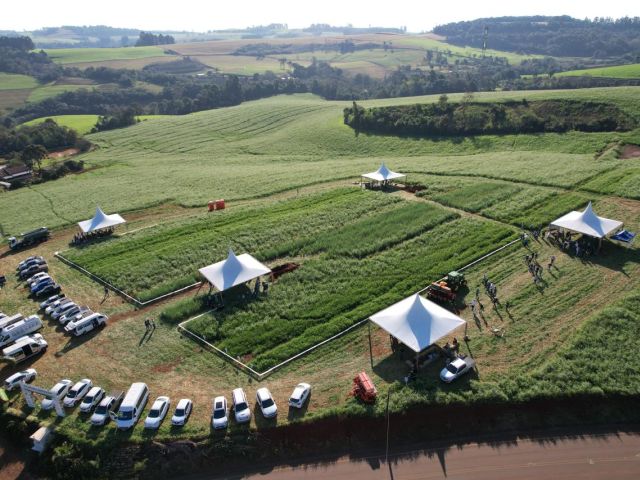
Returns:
point(298, 413)
point(75, 342)
point(261, 421)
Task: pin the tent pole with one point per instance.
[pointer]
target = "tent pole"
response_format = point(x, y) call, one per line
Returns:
point(370, 347)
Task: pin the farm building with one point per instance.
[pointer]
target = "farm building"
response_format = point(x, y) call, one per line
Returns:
point(383, 175)
point(235, 270)
point(100, 221)
point(14, 173)
point(417, 322)
point(587, 223)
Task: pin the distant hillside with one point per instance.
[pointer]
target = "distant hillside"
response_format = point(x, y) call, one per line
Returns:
point(557, 36)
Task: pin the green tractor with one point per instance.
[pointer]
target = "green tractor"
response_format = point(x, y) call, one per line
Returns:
point(455, 281)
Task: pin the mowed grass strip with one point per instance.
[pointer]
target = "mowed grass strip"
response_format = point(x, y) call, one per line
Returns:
point(78, 55)
point(617, 71)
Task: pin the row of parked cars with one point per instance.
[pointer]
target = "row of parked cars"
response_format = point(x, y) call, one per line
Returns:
point(127, 410)
point(17, 338)
point(75, 319)
point(34, 271)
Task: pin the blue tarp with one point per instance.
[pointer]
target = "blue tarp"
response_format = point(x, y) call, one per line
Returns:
point(624, 236)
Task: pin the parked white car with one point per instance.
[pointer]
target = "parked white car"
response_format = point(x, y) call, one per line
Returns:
point(91, 399)
point(74, 314)
point(241, 408)
point(299, 395)
point(59, 390)
point(25, 348)
point(76, 392)
point(456, 368)
point(62, 309)
point(107, 405)
point(183, 410)
point(158, 411)
point(56, 304)
point(219, 417)
point(24, 376)
point(35, 278)
point(86, 324)
point(267, 404)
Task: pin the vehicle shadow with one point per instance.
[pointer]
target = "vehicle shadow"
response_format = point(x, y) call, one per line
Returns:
point(298, 413)
point(75, 342)
point(261, 421)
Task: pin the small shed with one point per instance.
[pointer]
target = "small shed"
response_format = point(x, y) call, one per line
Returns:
point(15, 173)
point(41, 439)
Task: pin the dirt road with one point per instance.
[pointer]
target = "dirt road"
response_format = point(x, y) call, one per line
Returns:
point(606, 456)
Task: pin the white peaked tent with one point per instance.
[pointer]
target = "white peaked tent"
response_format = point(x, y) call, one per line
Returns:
point(233, 271)
point(417, 322)
point(587, 222)
point(383, 174)
point(101, 220)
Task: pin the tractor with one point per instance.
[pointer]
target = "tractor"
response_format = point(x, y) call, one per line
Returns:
point(455, 281)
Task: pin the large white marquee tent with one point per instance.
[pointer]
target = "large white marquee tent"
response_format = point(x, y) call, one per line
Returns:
point(417, 322)
point(383, 174)
point(587, 223)
point(235, 270)
point(100, 221)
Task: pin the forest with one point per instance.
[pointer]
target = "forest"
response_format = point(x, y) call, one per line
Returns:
point(557, 36)
point(472, 118)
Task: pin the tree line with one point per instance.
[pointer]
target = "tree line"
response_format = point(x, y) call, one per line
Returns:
point(467, 117)
point(148, 39)
point(557, 36)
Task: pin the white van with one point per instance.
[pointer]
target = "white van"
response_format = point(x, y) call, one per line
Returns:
point(25, 348)
point(86, 324)
point(6, 321)
point(19, 329)
point(132, 405)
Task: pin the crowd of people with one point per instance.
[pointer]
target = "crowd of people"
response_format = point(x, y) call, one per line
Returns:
point(82, 237)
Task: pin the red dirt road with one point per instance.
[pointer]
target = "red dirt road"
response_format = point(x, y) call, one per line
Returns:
point(607, 456)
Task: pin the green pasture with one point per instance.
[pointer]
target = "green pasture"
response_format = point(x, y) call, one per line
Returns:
point(268, 146)
point(82, 123)
point(13, 81)
point(618, 71)
point(81, 55)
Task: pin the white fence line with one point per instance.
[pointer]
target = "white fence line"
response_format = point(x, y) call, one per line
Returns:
point(263, 375)
point(131, 299)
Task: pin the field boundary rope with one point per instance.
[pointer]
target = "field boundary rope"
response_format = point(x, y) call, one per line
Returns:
point(122, 293)
point(262, 375)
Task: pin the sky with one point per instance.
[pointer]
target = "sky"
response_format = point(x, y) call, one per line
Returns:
point(204, 15)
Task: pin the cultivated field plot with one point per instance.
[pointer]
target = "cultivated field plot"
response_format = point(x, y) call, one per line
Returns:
point(619, 71)
point(78, 55)
point(269, 146)
point(358, 251)
point(286, 167)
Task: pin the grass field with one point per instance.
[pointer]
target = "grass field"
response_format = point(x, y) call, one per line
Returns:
point(11, 81)
point(48, 91)
point(263, 147)
point(78, 55)
point(287, 168)
point(619, 71)
point(82, 123)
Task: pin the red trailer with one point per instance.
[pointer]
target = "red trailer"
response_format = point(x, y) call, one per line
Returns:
point(216, 205)
point(363, 388)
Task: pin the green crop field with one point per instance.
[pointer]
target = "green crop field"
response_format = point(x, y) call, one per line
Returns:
point(289, 170)
point(11, 81)
point(619, 71)
point(48, 91)
point(82, 123)
point(342, 238)
point(79, 55)
point(263, 147)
